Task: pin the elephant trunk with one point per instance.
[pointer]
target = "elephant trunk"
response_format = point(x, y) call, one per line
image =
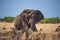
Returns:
point(32, 23)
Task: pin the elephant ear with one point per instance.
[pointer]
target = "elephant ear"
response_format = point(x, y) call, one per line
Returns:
point(38, 16)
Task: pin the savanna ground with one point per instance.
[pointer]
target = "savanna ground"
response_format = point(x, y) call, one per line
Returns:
point(48, 29)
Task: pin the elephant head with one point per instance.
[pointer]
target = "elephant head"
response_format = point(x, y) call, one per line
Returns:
point(28, 18)
point(34, 17)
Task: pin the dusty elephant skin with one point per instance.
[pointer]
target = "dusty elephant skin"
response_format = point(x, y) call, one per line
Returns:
point(28, 18)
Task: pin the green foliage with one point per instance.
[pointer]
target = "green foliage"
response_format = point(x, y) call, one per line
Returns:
point(45, 20)
point(7, 19)
point(1, 19)
point(51, 20)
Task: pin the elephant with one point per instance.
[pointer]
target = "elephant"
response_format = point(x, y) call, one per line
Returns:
point(27, 19)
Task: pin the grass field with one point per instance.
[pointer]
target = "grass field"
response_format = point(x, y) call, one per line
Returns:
point(49, 29)
point(45, 27)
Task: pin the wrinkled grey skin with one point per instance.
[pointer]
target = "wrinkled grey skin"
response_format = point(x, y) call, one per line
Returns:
point(28, 18)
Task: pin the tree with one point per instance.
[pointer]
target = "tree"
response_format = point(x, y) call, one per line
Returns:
point(51, 20)
point(9, 19)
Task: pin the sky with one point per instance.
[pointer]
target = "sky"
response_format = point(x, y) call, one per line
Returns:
point(49, 8)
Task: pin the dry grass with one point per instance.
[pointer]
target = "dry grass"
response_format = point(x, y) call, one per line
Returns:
point(49, 29)
point(45, 27)
point(5, 24)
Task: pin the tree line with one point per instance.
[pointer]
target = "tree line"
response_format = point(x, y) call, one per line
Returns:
point(45, 20)
point(51, 20)
point(7, 19)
